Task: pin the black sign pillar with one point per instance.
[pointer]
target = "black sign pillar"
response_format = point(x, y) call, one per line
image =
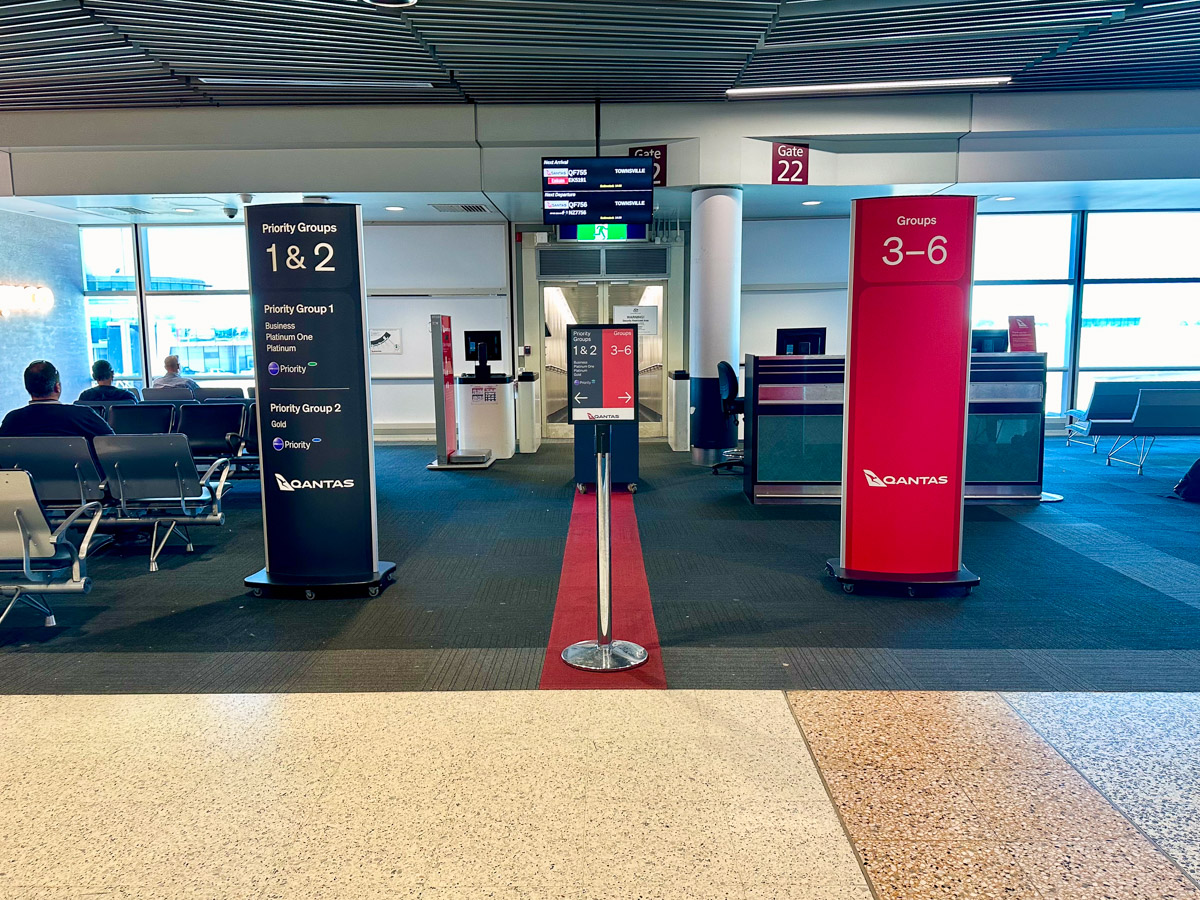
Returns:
point(308, 313)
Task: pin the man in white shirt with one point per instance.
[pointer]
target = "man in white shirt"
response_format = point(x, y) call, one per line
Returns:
point(173, 379)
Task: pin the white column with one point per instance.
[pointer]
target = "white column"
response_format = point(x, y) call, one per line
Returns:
point(715, 314)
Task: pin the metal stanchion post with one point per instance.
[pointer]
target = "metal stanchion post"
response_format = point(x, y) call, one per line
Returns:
point(604, 654)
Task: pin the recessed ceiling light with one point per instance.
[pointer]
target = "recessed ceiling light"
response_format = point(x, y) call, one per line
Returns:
point(394, 208)
point(1004, 199)
point(811, 203)
point(797, 90)
point(184, 209)
point(391, 4)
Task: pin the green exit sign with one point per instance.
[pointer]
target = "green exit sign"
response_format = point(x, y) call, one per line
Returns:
point(614, 232)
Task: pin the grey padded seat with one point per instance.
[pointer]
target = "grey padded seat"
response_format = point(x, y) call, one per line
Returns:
point(36, 562)
point(153, 479)
point(63, 470)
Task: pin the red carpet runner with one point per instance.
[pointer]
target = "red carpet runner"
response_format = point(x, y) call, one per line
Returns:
point(575, 609)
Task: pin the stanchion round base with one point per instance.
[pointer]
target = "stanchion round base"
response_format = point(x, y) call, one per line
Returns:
point(616, 656)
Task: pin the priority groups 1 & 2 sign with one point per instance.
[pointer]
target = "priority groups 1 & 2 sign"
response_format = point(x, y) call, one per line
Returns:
point(907, 375)
point(308, 317)
point(602, 373)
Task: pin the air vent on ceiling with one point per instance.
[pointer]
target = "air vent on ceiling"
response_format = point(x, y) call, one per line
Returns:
point(462, 207)
point(122, 210)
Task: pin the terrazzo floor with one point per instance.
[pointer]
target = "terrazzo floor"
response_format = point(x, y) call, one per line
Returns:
point(613, 794)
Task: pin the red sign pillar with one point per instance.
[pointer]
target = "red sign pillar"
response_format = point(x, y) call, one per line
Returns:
point(908, 363)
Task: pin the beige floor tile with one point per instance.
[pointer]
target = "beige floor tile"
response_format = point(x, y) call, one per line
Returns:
point(1103, 870)
point(555, 794)
point(946, 871)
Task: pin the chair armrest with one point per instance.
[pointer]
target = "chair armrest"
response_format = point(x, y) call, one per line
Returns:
point(206, 478)
point(97, 509)
point(236, 442)
point(1077, 413)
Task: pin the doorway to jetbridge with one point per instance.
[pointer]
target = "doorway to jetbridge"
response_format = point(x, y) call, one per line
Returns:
point(603, 303)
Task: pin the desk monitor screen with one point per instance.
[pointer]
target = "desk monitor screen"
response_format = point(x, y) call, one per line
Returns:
point(488, 339)
point(989, 340)
point(800, 342)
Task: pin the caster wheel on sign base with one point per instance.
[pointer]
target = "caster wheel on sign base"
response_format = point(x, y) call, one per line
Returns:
point(372, 592)
point(848, 588)
point(310, 595)
point(632, 488)
point(256, 592)
point(912, 591)
point(581, 488)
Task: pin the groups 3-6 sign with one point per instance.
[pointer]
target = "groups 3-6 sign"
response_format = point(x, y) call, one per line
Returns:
point(602, 373)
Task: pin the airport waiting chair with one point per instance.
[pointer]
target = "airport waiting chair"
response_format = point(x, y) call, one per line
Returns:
point(62, 468)
point(102, 407)
point(1158, 413)
point(153, 479)
point(35, 562)
point(732, 406)
point(244, 444)
point(225, 393)
point(142, 418)
point(1113, 401)
point(166, 395)
point(207, 427)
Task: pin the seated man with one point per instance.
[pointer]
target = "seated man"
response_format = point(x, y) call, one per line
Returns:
point(102, 374)
point(173, 379)
point(44, 416)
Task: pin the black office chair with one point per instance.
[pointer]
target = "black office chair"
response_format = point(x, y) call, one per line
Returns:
point(732, 406)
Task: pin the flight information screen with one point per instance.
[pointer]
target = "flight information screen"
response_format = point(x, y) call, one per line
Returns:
point(597, 190)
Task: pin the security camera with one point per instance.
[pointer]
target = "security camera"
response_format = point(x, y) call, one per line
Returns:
point(230, 212)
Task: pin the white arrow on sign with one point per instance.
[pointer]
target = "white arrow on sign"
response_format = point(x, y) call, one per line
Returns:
point(579, 398)
point(625, 396)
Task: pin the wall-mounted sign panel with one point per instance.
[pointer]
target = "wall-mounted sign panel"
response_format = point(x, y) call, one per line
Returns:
point(644, 317)
point(597, 190)
point(308, 313)
point(789, 163)
point(908, 365)
point(657, 153)
point(602, 384)
point(385, 340)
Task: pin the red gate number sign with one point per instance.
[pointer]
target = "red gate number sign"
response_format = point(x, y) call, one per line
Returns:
point(602, 373)
point(658, 153)
point(908, 367)
point(789, 163)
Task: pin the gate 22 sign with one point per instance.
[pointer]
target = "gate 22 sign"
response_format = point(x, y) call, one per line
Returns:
point(789, 163)
point(602, 373)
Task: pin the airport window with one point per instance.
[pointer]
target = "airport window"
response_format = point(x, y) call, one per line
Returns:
point(196, 258)
point(1143, 245)
point(1140, 304)
point(109, 262)
point(1024, 266)
point(193, 302)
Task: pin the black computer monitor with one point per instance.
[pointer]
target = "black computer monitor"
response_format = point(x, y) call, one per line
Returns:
point(800, 342)
point(490, 340)
point(989, 340)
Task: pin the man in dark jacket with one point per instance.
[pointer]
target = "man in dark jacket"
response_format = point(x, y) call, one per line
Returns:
point(102, 374)
point(44, 416)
